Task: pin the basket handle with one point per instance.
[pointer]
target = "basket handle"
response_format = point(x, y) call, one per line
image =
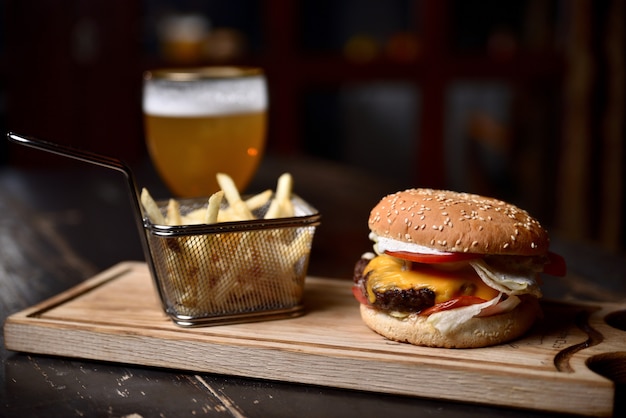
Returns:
point(100, 160)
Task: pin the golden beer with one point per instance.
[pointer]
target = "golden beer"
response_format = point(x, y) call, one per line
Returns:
point(202, 122)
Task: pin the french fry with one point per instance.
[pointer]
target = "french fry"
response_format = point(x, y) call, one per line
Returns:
point(231, 193)
point(286, 209)
point(227, 215)
point(258, 200)
point(196, 216)
point(281, 205)
point(151, 208)
point(173, 213)
point(213, 208)
point(253, 203)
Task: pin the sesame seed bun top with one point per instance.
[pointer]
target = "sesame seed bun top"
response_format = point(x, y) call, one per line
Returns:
point(458, 222)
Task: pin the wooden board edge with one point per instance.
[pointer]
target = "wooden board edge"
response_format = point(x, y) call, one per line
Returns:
point(287, 365)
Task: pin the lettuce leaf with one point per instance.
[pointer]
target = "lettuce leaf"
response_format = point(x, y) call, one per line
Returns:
point(515, 280)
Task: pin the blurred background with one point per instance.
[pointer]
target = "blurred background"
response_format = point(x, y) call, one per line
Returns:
point(518, 99)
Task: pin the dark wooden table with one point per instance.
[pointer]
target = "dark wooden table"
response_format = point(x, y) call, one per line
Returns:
point(59, 227)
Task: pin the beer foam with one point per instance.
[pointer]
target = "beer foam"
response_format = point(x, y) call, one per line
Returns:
point(204, 97)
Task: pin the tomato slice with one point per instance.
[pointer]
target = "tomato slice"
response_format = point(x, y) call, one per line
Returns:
point(457, 302)
point(555, 266)
point(433, 258)
point(359, 296)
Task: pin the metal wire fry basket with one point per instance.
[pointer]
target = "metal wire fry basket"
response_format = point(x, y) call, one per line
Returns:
point(232, 271)
point(221, 273)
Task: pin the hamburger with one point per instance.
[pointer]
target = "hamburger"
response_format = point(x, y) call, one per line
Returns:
point(453, 270)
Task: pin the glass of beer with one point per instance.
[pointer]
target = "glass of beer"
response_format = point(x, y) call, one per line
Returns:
point(203, 121)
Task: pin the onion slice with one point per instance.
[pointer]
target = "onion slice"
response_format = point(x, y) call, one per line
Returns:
point(447, 321)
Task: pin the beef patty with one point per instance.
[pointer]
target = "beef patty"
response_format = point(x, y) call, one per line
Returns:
point(393, 299)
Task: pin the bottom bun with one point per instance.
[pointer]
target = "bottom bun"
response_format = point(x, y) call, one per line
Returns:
point(477, 332)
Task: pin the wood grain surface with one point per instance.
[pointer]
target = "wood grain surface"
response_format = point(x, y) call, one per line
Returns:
point(116, 316)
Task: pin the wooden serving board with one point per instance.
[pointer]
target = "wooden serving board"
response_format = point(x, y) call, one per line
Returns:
point(116, 316)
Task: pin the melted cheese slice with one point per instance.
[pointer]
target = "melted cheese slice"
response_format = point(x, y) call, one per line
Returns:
point(390, 272)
